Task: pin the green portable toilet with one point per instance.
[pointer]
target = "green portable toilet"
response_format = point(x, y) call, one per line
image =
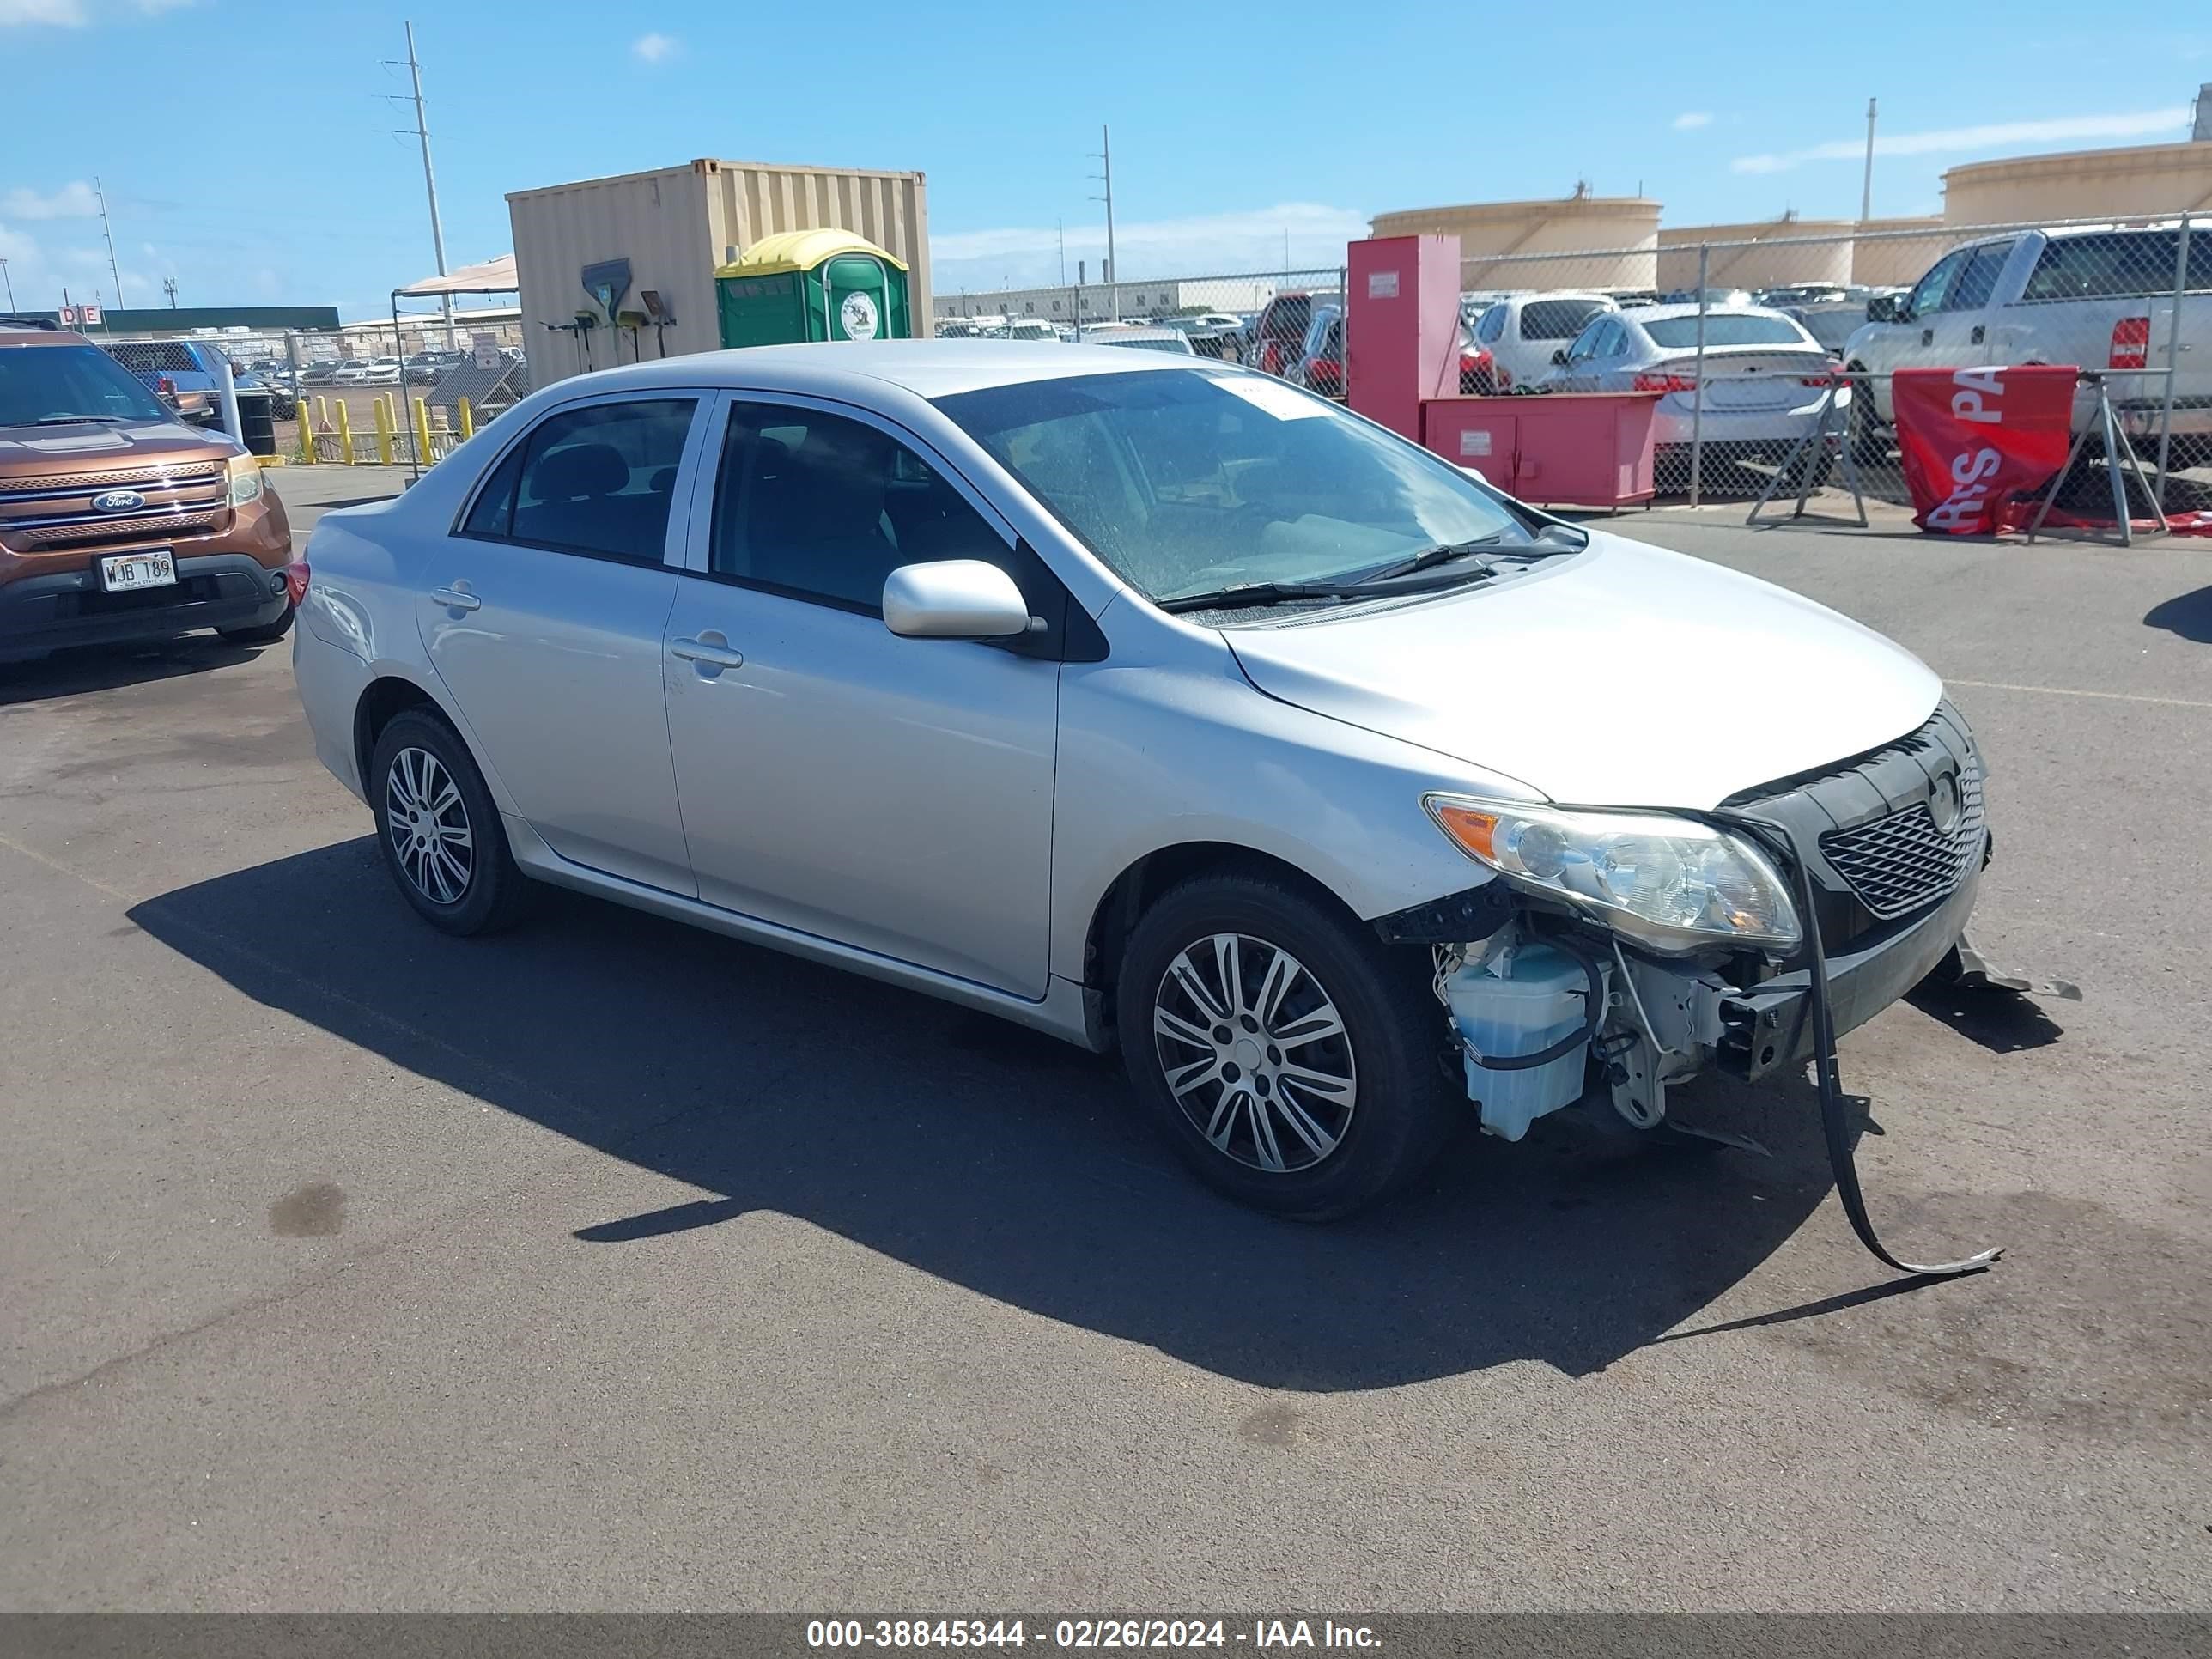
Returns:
point(812, 285)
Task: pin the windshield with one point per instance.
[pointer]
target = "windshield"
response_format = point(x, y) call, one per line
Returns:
point(1725, 328)
point(1185, 481)
point(59, 382)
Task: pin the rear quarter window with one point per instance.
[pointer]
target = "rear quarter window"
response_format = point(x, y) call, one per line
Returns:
point(1556, 319)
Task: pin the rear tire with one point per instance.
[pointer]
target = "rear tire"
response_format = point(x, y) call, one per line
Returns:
point(440, 830)
point(1869, 439)
point(1311, 1088)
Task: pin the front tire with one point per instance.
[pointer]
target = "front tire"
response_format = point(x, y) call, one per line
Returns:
point(1287, 1054)
point(439, 831)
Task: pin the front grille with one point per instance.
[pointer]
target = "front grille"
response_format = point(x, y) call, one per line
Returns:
point(100, 533)
point(56, 510)
point(131, 477)
point(1897, 863)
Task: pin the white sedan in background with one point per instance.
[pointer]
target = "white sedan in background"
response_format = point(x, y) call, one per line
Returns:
point(1765, 377)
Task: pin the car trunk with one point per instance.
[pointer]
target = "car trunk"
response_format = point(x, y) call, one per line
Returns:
point(1753, 377)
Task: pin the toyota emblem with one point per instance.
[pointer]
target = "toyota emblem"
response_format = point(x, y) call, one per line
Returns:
point(118, 500)
point(1943, 804)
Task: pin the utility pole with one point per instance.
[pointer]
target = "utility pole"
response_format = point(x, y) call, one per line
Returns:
point(1060, 226)
point(169, 287)
point(1112, 273)
point(9, 281)
point(1866, 189)
point(429, 184)
point(110, 229)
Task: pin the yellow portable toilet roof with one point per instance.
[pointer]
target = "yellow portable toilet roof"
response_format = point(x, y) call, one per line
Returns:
point(802, 249)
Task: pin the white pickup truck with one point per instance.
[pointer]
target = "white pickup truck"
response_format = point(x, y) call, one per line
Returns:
point(2100, 296)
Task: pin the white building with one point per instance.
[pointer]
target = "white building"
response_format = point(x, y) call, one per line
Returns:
point(1094, 303)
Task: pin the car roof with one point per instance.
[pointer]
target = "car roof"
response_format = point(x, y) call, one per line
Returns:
point(41, 336)
point(1661, 314)
point(927, 368)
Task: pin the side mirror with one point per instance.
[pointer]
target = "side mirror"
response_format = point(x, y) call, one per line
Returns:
point(954, 599)
point(1885, 308)
point(1559, 358)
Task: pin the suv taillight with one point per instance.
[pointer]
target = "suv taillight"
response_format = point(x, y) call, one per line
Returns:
point(295, 580)
point(2130, 343)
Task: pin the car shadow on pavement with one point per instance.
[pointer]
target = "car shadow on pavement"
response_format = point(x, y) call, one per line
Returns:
point(2188, 615)
point(998, 1159)
point(107, 667)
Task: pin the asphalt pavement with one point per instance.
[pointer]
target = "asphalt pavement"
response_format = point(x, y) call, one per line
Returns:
point(607, 1264)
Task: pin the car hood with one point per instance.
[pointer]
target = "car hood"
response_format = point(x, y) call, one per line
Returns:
point(1623, 676)
point(40, 450)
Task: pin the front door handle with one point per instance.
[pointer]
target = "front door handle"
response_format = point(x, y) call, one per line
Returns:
point(456, 598)
point(710, 651)
point(1975, 339)
point(1928, 336)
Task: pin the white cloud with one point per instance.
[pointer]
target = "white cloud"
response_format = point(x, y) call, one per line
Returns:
point(1689, 120)
point(59, 14)
point(2141, 123)
point(73, 200)
point(655, 48)
point(1203, 245)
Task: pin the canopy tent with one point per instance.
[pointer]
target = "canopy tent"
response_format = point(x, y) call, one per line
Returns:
point(485, 277)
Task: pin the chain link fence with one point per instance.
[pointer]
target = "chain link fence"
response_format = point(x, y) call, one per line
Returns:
point(1772, 356)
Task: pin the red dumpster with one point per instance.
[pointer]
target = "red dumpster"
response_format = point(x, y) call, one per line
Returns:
point(1559, 449)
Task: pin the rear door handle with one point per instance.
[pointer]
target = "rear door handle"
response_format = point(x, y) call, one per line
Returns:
point(709, 653)
point(1975, 339)
point(1927, 337)
point(456, 598)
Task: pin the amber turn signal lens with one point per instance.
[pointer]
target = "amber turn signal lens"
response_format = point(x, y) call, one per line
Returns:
point(1472, 829)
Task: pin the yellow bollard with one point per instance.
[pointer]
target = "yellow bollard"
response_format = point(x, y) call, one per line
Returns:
point(345, 432)
point(468, 421)
point(383, 412)
point(422, 431)
point(304, 412)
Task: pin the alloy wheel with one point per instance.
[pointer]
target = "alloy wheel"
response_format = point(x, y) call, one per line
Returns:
point(1255, 1053)
point(429, 824)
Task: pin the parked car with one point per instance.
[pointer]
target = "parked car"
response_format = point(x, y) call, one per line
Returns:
point(1144, 338)
point(1279, 335)
point(1031, 328)
point(2098, 296)
point(1765, 377)
point(119, 521)
point(963, 666)
point(321, 373)
point(1714, 296)
point(426, 367)
point(1320, 363)
point(181, 373)
point(283, 403)
point(1523, 331)
point(355, 371)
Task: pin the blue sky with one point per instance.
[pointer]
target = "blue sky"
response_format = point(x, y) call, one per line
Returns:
point(247, 150)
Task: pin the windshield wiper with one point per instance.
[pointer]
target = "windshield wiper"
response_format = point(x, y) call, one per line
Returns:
point(1240, 594)
point(1446, 553)
point(78, 420)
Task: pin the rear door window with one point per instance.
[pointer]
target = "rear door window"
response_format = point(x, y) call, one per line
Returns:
point(1979, 278)
point(2114, 264)
point(599, 479)
point(1491, 327)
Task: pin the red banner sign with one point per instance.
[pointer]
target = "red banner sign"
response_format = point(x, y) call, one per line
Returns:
point(1982, 445)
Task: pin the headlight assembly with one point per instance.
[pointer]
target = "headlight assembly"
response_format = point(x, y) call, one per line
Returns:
point(1674, 884)
point(245, 479)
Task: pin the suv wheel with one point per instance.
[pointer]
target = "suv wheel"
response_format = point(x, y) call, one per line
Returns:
point(440, 830)
point(1285, 1053)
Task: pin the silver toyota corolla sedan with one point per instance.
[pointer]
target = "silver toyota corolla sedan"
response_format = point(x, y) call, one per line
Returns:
point(1152, 702)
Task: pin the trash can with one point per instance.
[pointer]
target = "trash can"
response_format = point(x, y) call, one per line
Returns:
point(812, 285)
point(257, 421)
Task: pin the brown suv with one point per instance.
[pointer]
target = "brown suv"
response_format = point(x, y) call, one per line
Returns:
point(119, 523)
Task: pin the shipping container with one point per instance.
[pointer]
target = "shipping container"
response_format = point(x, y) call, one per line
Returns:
point(673, 227)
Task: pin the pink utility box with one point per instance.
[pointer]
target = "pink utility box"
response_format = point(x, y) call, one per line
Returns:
point(1401, 333)
point(1558, 449)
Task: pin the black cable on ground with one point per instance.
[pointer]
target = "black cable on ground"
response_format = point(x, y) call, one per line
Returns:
point(1834, 1120)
